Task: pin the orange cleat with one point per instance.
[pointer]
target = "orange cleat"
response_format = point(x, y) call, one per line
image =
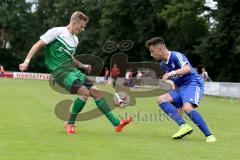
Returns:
point(70, 128)
point(123, 123)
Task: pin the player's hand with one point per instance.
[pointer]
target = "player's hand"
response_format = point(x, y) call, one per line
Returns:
point(166, 77)
point(87, 67)
point(23, 66)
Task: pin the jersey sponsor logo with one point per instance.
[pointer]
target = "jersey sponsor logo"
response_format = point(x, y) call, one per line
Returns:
point(62, 49)
point(173, 65)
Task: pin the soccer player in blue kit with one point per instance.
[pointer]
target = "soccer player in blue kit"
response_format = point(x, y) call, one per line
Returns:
point(188, 89)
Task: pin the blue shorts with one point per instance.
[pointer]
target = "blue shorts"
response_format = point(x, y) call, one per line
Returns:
point(188, 93)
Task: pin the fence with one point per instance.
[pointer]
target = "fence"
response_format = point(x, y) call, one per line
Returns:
point(223, 89)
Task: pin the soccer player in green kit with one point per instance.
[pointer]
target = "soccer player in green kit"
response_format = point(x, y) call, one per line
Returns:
point(60, 45)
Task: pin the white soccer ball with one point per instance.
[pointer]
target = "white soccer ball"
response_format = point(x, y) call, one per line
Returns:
point(121, 99)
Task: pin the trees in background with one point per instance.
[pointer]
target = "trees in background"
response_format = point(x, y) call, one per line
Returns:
point(180, 22)
point(220, 48)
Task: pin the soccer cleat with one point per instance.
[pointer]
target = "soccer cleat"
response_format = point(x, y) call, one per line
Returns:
point(211, 139)
point(70, 128)
point(184, 130)
point(123, 123)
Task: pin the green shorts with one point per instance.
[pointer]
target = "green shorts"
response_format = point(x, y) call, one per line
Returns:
point(65, 76)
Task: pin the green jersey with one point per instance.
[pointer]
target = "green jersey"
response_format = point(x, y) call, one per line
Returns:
point(61, 46)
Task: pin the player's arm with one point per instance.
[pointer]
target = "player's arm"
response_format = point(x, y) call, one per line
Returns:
point(172, 84)
point(35, 48)
point(182, 71)
point(180, 62)
point(78, 64)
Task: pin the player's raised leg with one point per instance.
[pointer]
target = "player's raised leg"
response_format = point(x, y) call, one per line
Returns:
point(164, 102)
point(106, 110)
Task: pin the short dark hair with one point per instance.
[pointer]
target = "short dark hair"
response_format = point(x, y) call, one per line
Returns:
point(154, 41)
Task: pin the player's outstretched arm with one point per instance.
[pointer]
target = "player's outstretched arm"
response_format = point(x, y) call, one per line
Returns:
point(36, 47)
point(78, 64)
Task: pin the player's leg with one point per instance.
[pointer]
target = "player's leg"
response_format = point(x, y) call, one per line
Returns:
point(106, 109)
point(80, 101)
point(191, 97)
point(103, 105)
point(78, 105)
point(169, 103)
point(72, 81)
point(165, 103)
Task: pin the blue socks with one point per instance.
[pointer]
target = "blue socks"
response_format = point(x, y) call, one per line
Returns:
point(172, 112)
point(198, 120)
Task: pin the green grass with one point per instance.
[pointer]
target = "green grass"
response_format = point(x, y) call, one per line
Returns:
point(29, 129)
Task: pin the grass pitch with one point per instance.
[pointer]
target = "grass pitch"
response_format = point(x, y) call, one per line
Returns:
point(29, 129)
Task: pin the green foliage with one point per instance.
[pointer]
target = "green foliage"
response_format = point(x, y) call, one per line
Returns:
point(132, 20)
point(186, 26)
point(220, 50)
point(180, 22)
point(19, 24)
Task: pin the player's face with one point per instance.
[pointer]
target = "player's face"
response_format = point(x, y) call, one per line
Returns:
point(78, 26)
point(156, 51)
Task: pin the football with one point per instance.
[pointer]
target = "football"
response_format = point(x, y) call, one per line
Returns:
point(121, 99)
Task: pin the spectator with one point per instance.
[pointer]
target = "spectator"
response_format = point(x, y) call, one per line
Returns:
point(106, 75)
point(139, 76)
point(205, 76)
point(1, 71)
point(128, 78)
point(115, 72)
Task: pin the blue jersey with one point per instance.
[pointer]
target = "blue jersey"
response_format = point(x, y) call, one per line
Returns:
point(175, 61)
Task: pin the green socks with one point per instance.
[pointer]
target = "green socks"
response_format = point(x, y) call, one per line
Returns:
point(105, 109)
point(77, 107)
point(102, 105)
